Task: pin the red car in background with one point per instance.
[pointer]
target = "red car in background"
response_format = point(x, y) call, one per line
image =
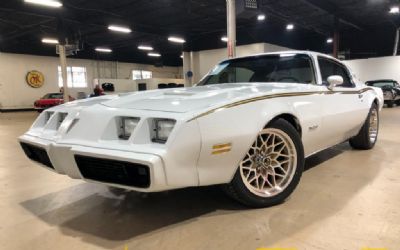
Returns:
point(50, 100)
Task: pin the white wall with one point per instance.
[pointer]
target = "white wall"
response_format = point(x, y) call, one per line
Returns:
point(15, 93)
point(376, 68)
point(205, 60)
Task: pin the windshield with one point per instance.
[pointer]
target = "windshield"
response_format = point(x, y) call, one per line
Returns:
point(53, 96)
point(381, 84)
point(289, 68)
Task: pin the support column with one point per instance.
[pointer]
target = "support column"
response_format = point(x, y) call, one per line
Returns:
point(63, 64)
point(396, 42)
point(231, 27)
point(336, 38)
point(191, 67)
point(186, 68)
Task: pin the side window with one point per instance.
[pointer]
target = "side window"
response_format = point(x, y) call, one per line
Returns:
point(329, 68)
point(341, 71)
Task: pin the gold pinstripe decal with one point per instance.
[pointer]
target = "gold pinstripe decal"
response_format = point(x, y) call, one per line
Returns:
point(221, 151)
point(221, 148)
point(265, 97)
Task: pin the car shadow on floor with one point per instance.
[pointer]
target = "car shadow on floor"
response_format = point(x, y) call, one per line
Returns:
point(325, 155)
point(115, 215)
point(111, 217)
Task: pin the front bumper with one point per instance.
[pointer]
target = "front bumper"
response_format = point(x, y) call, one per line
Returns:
point(130, 170)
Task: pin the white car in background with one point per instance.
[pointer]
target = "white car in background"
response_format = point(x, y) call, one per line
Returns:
point(249, 125)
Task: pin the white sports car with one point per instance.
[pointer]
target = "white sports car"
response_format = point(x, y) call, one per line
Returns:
point(249, 124)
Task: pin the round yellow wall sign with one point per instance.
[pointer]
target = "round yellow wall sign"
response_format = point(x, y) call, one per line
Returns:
point(35, 79)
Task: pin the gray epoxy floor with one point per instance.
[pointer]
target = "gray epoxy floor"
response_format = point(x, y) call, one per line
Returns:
point(346, 200)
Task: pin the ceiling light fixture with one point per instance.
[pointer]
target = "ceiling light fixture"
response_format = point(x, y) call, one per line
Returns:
point(105, 50)
point(154, 54)
point(176, 39)
point(261, 17)
point(50, 40)
point(144, 47)
point(224, 39)
point(290, 27)
point(48, 3)
point(329, 40)
point(119, 29)
point(394, 10)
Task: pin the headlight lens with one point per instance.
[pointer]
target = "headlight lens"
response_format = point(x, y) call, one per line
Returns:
point(128, 125)
point(48, 115)
point(61, 118)
point(163, 128)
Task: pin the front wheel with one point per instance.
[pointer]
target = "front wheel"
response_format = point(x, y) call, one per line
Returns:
point(271, 169)
point(368, 134)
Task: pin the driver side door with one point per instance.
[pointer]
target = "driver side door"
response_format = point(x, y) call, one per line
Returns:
point(344, 107)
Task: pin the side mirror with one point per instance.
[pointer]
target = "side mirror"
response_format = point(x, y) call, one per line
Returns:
point(334, 81)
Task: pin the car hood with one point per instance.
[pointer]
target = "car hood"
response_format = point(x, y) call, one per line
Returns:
point(195, 98)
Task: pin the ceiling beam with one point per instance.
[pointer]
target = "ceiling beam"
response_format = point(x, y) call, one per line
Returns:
point(283, 17)
point(334, 10)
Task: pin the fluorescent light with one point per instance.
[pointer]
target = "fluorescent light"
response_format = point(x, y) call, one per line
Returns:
point(394, 10)
point(154, 54)
point(176, 39)
point(261, 17)
point(290, 27)
point(224, 39)
point(48, 3)
point(119, 29)
point(105, 50)
point(329, 40)
point(143, 47)
point(50, 40)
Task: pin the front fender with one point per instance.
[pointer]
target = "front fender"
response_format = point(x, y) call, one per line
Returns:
point(236, 128)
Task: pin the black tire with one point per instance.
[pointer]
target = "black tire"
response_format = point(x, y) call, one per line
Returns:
point(238, 190)
point(362, 139)
point(390, 104)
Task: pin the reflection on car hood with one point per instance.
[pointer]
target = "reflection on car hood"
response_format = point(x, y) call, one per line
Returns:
point(195, 98)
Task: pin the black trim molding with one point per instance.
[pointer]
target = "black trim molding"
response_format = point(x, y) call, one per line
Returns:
point(16, 110)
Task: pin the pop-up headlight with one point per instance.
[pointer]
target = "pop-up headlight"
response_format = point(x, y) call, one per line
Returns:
point(48, 115)
point(162, 129)
point(128, 125)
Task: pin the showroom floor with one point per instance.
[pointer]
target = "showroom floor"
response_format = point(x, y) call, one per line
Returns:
point(346, 200)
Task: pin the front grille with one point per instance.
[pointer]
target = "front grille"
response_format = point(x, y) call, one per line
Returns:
point(112, 171)
point(37, 154)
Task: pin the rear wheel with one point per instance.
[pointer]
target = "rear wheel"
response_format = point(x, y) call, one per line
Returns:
point(272, 167)
point(368, 134)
